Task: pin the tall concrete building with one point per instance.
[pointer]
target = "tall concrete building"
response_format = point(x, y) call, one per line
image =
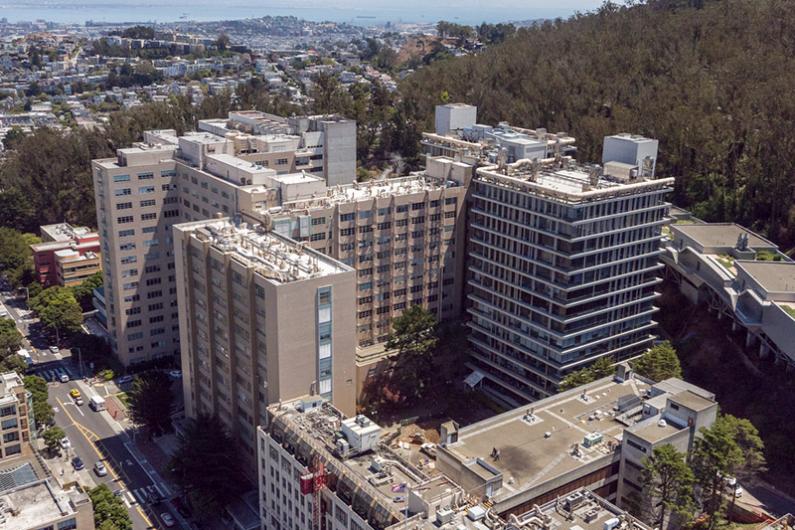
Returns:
point(262, 319)
point(227, 167)
point(137, 202)
point(563, 264)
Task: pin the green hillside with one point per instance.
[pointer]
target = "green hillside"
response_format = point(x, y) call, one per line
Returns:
point(714, 81)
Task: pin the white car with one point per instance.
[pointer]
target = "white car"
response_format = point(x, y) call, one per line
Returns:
point(54, 349)
point(168, 519)
point(100, 469)
point(64, 378)
point(175, 374)
point(65, 443)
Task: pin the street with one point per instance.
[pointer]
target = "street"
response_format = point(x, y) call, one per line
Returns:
point(93, 439)
point(94, 436)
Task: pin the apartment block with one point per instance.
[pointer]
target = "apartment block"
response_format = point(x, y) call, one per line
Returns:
point(16, 416)
point(593, 437)
point(263, 319)
point(404, 237)
point(321, 469)
point(224, 168)
point(458, 135)
point(66, 256)
point(738, 275)
point(137, 203)
point(563, 264)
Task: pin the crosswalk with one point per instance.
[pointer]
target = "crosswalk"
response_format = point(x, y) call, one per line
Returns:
point(143, 495)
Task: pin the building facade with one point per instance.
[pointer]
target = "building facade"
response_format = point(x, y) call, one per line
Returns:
point(563, 263)
point(738, 275)
point(66, 256)
point(262, 319)
point(319, 469)
point(16, 416)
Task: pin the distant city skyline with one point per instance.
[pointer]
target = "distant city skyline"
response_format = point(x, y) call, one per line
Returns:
point(354, 11)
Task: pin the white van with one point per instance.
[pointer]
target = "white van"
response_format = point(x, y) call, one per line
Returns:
point(25, 354)
point(97, 403)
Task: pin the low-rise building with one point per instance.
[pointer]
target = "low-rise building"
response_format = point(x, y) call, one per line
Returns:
point(319, 469)
point(28, 502)
point(67, 255)
point(738, 275)
point(16, 416)
point(594, 437)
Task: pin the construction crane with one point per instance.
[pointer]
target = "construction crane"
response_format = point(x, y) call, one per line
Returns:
point(318, 482)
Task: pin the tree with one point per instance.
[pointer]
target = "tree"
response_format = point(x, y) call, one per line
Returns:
point(42, 411)
point(668, 486)
point(10, 337)
point(222, 42)
point(729, 447)
point(58, 309)
point(84, 292)
point(151, 400)
point(52, 439)
point(109, 510)
point(659, 363)
point(16, 260)
point(602, 367)
point(206, 465)
point(13, 137)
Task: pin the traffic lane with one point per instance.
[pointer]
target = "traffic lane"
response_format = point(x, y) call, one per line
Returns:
point(91, 447)
point(773, 501)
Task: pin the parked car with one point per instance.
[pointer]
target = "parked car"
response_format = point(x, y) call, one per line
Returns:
point(78, 464)
point(65, 443)
point(175, 374)
point(123, 380)
point(167, 519)
point(64, 378)
point(100, 469)
point(54, 349)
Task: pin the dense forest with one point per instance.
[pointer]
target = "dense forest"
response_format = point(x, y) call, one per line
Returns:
point(711, 79)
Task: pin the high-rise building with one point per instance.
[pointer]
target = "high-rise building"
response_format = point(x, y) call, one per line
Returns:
point(227, 167)
point(137, 202)
point(563, 264)
point(262, 319)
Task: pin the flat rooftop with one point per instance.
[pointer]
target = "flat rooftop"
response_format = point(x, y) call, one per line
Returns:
point(64, 231)
point(279, 259)
point(373, 189)
point(566, 180)
point(720, 235)
point(535, 442)
point(36, 504)
point(772, 276)
point(379, 474)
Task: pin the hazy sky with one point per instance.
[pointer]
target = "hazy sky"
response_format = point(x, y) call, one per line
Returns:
point(462, 11)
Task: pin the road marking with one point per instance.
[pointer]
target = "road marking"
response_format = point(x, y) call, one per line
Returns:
point(83, 430)
point(129, 497)
point(138, 496)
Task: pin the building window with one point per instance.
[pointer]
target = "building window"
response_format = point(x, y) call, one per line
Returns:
point(121, 178)
point(146, 189)
point(13, 450)
point(145, 176)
